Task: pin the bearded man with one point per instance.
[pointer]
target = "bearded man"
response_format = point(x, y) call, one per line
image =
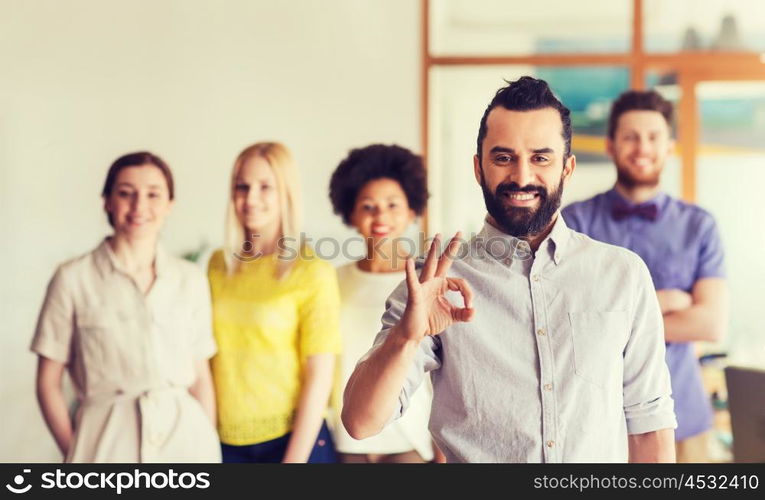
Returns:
point(556, 352)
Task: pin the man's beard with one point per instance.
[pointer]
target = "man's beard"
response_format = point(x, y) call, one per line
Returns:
point(521, 222)
point(626, 179)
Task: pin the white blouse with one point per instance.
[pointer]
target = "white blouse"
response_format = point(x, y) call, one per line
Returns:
point(363, 297)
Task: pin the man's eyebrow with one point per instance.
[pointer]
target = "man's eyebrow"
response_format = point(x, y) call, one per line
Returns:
point(502, 149)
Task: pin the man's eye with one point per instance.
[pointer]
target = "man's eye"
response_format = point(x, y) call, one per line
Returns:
point(541, 159)
point(368, 208)
point(502, 159)
point(242, 188)
point(265, 187)
point(124, 194)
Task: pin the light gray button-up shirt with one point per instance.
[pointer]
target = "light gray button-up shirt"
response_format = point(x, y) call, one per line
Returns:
point(563, 359)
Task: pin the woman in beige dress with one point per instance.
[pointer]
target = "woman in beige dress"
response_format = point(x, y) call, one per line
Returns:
point(132, 326)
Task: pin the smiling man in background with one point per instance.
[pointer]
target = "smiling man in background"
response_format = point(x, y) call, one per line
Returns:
point(679, 243)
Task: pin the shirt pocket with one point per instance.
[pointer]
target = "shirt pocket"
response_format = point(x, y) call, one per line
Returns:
point(598, 340)
point(102, 339)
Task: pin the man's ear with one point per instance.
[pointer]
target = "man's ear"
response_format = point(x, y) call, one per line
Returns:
point(477, 169)
point(568, 168)
point(610, 151)
point(672, 147)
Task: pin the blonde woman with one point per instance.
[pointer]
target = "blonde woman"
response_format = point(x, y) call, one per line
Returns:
point(275, 309)
point(132, 326)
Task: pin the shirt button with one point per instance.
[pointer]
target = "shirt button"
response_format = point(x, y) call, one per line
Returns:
point(550, 444)
point(541, 331)
point(535, 277)
point(548, 387)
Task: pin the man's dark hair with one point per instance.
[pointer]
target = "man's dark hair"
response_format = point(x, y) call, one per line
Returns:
point(638, 100)
point(378, 161)
point(528, 94)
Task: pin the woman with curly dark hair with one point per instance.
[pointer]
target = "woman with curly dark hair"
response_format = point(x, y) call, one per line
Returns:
point(379, 190)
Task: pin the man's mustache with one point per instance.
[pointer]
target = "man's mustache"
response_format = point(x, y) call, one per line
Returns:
point(513, 187)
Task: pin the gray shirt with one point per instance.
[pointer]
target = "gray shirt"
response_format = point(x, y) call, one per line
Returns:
point(563, 359)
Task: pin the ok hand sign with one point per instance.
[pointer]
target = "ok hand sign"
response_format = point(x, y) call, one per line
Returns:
point(428, 312)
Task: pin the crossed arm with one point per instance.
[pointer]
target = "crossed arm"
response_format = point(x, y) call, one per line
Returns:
point(701, 315)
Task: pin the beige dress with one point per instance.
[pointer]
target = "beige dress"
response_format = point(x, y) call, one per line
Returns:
point(132, 358)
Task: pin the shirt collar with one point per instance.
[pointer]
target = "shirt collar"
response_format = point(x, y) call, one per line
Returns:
point(660, 200)
point(557, 241)
point(505, 247)
point(107, 262)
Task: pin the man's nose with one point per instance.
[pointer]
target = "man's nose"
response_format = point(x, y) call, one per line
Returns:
point(644, 145)
point(522, 173)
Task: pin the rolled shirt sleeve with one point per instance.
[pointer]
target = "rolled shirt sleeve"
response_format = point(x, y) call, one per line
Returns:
point(711, 254)
point(55, 324)
point(648, 404)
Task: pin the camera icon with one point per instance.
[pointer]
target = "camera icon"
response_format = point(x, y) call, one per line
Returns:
point(18, 480)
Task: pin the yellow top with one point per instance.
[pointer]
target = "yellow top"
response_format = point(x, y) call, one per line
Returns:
point(266, 328)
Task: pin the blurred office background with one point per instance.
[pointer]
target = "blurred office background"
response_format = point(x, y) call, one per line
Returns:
point(84, 81)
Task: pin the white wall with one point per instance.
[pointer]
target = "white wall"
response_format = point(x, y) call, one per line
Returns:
point(84, 81)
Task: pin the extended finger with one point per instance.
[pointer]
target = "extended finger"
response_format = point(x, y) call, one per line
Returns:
point(431, 261)
point(445, 262)
point(412, 282)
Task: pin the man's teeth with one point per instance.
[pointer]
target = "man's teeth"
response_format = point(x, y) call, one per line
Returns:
point(522, 196)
